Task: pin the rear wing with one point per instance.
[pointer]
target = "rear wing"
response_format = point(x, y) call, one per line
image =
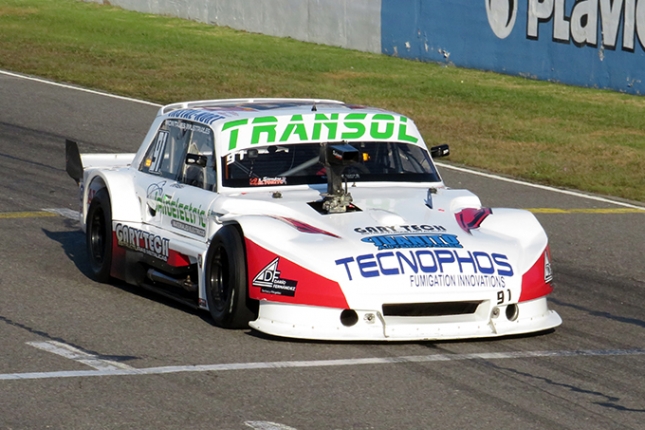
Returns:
point(75, 162)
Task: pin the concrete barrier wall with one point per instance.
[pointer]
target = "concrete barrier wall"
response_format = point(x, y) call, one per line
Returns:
point(353, 24)
point(594, 43)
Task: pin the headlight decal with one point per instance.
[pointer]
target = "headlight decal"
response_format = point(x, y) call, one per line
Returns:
point(536, 282)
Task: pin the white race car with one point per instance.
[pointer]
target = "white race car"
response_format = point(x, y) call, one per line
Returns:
point(310, 219)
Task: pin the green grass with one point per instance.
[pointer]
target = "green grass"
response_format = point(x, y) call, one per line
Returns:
point(552, 134)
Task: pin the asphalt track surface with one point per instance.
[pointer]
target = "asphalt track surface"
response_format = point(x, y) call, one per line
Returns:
point(75, 354)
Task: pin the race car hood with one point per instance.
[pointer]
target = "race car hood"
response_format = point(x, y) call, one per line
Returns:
point(384, 211)
point(405, 236)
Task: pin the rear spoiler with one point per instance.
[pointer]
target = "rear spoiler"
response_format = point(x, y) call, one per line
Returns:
point(75, 163)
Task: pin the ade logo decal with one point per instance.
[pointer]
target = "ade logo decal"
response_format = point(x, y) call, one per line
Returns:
point(589, 22)
point(270, 282)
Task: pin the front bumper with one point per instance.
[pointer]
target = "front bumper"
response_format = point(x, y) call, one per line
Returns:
point(321, 323)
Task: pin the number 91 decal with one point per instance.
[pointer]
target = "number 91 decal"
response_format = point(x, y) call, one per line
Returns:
point(501, 296)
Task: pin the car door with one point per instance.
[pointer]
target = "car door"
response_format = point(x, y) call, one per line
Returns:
point(177, 177)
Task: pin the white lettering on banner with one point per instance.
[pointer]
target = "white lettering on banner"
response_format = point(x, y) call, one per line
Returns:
point(501, 16)
point(581, 26)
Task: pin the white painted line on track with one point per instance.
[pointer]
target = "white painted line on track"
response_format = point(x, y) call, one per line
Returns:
point(322, 363)
point(65, 212)
point(72, 87)
point(267, 425)
point(442, 165)
point(79, 356)
point(541, 187)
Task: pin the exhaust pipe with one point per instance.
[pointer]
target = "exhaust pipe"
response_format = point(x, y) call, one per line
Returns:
point(186, 284)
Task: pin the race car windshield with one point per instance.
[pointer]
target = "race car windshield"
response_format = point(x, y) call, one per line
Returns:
point(300, 164)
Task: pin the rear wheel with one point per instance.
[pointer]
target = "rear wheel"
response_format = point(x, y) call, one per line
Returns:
point(99, 236)
point(226, 281)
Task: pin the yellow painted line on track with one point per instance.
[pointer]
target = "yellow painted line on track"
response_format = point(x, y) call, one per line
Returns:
point(587, 211)
point(34, 214)
point(64, 212)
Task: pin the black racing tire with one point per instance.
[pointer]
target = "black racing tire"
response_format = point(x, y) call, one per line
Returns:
point(226, 280)
point(98, 236)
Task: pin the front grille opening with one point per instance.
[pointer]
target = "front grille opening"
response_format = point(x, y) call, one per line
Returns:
point(430, 309)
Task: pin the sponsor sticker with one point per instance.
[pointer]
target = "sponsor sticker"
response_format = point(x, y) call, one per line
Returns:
point(432, 267)
point(188, 228)
point(414, 241)
point(318, 127)
point(185, 215)
point(196, 115)
point(154, 163)
point(256, 182)
point(412, 228)
point(189, 126)
point(270, 282)
point(142, 241)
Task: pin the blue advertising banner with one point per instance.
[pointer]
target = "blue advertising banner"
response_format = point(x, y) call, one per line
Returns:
point(593, 43)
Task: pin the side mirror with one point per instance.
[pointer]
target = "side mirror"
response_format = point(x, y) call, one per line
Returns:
point(440, 151)
point(196, 160)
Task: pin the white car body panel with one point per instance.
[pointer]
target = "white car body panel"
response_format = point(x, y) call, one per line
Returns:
point(403, 248)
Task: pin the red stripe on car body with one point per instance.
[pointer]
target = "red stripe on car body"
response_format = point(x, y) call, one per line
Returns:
point(310, 289)
point(534, 284)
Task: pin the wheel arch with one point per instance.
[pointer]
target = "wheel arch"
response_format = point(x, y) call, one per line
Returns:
point(233, 223)
point(522, 227)
point(125, 204)
point(245, 307)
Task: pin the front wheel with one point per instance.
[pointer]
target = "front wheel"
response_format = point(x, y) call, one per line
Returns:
point(99, 236)
point(226, 281)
